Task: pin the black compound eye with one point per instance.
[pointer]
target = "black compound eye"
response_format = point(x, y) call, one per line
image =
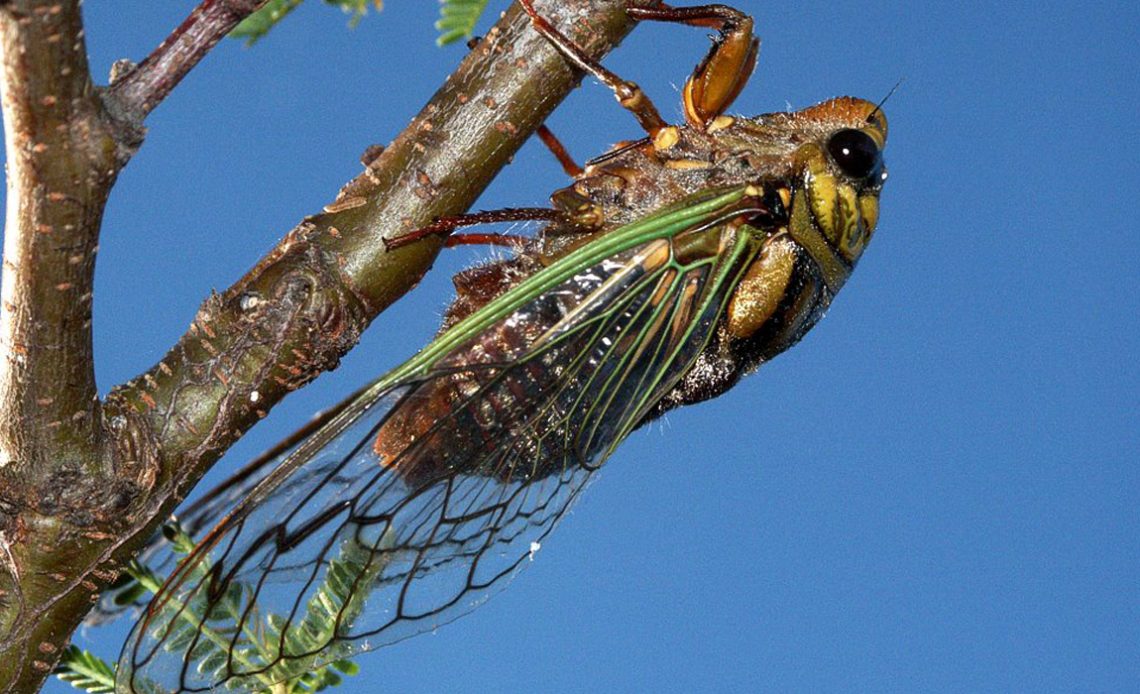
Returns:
point(855, 153)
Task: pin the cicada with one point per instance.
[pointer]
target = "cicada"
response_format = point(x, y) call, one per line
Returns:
point(672, 266)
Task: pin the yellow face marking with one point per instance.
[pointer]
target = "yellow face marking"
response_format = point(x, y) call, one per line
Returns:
point(821, 188)
point(869, 209)
point(805, 232)
point(839, 212)
point(589, 215)
point(849, 230)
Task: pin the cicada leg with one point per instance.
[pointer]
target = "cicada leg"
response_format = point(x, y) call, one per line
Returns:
point(719, 77)
point(489, 239)
point(628, 94)
point(571, 167)
point(715, 82)
point(446, 226)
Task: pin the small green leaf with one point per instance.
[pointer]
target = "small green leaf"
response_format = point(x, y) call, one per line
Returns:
point(254, 27)
point(130, 594)
point(348, 667)
point(257, 25)
point(457, 19)
point(179, 639)
point(86, 671)
point(174, 534)
point(214, 661)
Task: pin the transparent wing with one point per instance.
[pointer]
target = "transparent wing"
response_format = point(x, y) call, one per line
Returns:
point(436, 485)
point(127, 596)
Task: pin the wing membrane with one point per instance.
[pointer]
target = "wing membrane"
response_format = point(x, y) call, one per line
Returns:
point(159, 555)
point(438, 482)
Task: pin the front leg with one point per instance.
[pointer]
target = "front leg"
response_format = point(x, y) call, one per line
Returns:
point(714, 84)
point(628, 94)
point(719, 77)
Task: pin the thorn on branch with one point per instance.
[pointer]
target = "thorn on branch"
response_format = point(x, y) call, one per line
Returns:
point(120, 69)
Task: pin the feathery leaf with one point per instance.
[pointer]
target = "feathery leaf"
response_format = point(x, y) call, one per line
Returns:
point(457, 19)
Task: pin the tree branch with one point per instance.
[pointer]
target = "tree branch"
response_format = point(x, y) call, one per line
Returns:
point(58, 179)
point(291, 317)
point(306, 303)
point(61, 165)
point(144, 87)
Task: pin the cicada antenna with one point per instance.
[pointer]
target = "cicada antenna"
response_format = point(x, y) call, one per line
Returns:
point(879, 106)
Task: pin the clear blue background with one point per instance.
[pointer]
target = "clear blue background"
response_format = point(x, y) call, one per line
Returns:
point(937, 490)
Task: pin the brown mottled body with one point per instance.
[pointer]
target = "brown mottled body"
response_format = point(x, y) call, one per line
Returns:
point(414, 423)
point(819, 201)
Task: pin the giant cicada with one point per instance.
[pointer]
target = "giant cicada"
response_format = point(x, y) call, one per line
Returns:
point(672, 266)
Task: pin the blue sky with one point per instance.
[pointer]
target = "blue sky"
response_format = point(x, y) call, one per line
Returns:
point(937, 490)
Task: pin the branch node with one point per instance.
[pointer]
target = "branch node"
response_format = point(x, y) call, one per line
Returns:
point(120, 69)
